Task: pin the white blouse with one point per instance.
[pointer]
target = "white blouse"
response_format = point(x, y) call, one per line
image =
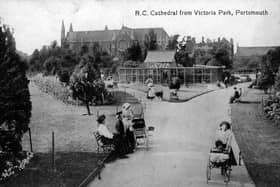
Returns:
point(103, 131)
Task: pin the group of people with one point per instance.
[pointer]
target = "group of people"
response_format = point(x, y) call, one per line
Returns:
point(123, 138)
point(153, 93)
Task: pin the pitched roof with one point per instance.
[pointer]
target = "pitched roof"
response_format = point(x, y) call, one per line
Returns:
point(253, 51)
point(160, 57)
point(109, 35)
point(86, 36)
point(140, 33)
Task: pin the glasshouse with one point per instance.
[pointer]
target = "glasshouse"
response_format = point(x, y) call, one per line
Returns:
point(195, 74)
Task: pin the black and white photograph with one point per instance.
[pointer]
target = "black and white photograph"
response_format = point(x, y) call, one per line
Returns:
point(121, 93)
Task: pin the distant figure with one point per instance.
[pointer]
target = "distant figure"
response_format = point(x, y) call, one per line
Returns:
point(236, 95)
point(226, 81)
point(151, 91)
point(159, 93)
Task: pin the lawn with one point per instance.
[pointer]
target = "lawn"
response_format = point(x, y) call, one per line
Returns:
point(71, 169)
point(75, 145)
point(72, 129)
point(258, 139)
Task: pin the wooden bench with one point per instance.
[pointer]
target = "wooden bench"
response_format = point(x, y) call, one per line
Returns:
point(105, 148)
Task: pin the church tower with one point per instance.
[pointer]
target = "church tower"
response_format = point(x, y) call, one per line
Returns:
point(62, 34)
point(71, 28)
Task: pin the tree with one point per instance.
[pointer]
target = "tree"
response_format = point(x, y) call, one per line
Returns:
point(173, 42)
point(151, 40)
point(82, 81)
point(35, 62)
point(182, 55)
point(267, 75)
point(134, 52)
point(277, 80)
point(222, 57)
point(84, 50)
point(52, 66)
point(273, 57)
point(15, 104)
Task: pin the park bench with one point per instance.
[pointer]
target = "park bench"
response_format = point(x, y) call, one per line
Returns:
point(102, 148)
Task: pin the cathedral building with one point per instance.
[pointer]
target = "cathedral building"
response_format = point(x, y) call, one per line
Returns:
point(114, 42)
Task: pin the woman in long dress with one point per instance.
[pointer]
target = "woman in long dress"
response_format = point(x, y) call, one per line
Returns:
point(127, 116)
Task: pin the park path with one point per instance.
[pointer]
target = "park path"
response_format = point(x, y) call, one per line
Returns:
point(179, 147)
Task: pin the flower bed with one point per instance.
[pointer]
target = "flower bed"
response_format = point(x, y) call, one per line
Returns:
point(11, 164)
point(271, 108)
point(52, 86)
point(60, 91)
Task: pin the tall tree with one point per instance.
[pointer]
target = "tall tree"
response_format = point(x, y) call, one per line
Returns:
point(82, 81)
point(151, 40)
point(134, 52)
point(273, 57)
point(15, 104)
point(173, 42)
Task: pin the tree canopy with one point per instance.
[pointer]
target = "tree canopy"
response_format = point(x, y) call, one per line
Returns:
point(15, 104)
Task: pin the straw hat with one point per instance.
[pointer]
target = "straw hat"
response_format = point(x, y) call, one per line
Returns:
point(150, 85)
point(126, 106)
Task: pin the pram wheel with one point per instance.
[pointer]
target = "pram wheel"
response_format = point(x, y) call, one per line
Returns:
point(208, 172)
point(227, 172)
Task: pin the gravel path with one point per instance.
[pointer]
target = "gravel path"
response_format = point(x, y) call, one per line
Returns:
point(179, 147)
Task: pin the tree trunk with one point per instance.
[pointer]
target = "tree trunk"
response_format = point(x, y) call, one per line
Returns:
point(88, 109)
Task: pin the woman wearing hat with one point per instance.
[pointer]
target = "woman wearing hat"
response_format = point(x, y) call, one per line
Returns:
point(109, 138)
point(127, 116)
point(151, 91)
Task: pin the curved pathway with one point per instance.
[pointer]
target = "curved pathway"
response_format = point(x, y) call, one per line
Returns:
point(179, 147)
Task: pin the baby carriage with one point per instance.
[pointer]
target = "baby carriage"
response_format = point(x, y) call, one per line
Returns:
point(140, 131)
point(219, 159)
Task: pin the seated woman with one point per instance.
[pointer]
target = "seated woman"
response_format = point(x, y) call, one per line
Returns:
point(108, 138)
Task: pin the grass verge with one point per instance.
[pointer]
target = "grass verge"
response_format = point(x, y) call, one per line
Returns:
point(71, 169)
point(259, 142)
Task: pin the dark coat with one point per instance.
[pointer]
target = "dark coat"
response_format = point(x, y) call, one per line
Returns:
point(120, 127)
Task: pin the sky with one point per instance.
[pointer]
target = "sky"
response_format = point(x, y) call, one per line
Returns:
point(38, 22)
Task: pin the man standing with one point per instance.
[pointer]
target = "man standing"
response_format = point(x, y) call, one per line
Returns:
point(119, 125)
point(120, 132)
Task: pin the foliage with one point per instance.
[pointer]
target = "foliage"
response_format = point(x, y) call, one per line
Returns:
point(267, 75)
point(64, 77)
point(151, 40)
point(175, 83)
point(173, 42)
point(245, 63)
point(51, 65)
point(273, 57)
point(277, 80)
point(134, 52)
point(222, 58)
point(182, 55)
point(130, 63)
point(15, 104)
point(82, 81)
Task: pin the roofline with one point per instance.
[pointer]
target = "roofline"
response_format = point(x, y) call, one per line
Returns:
point(208, 67)
point(257, 46)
